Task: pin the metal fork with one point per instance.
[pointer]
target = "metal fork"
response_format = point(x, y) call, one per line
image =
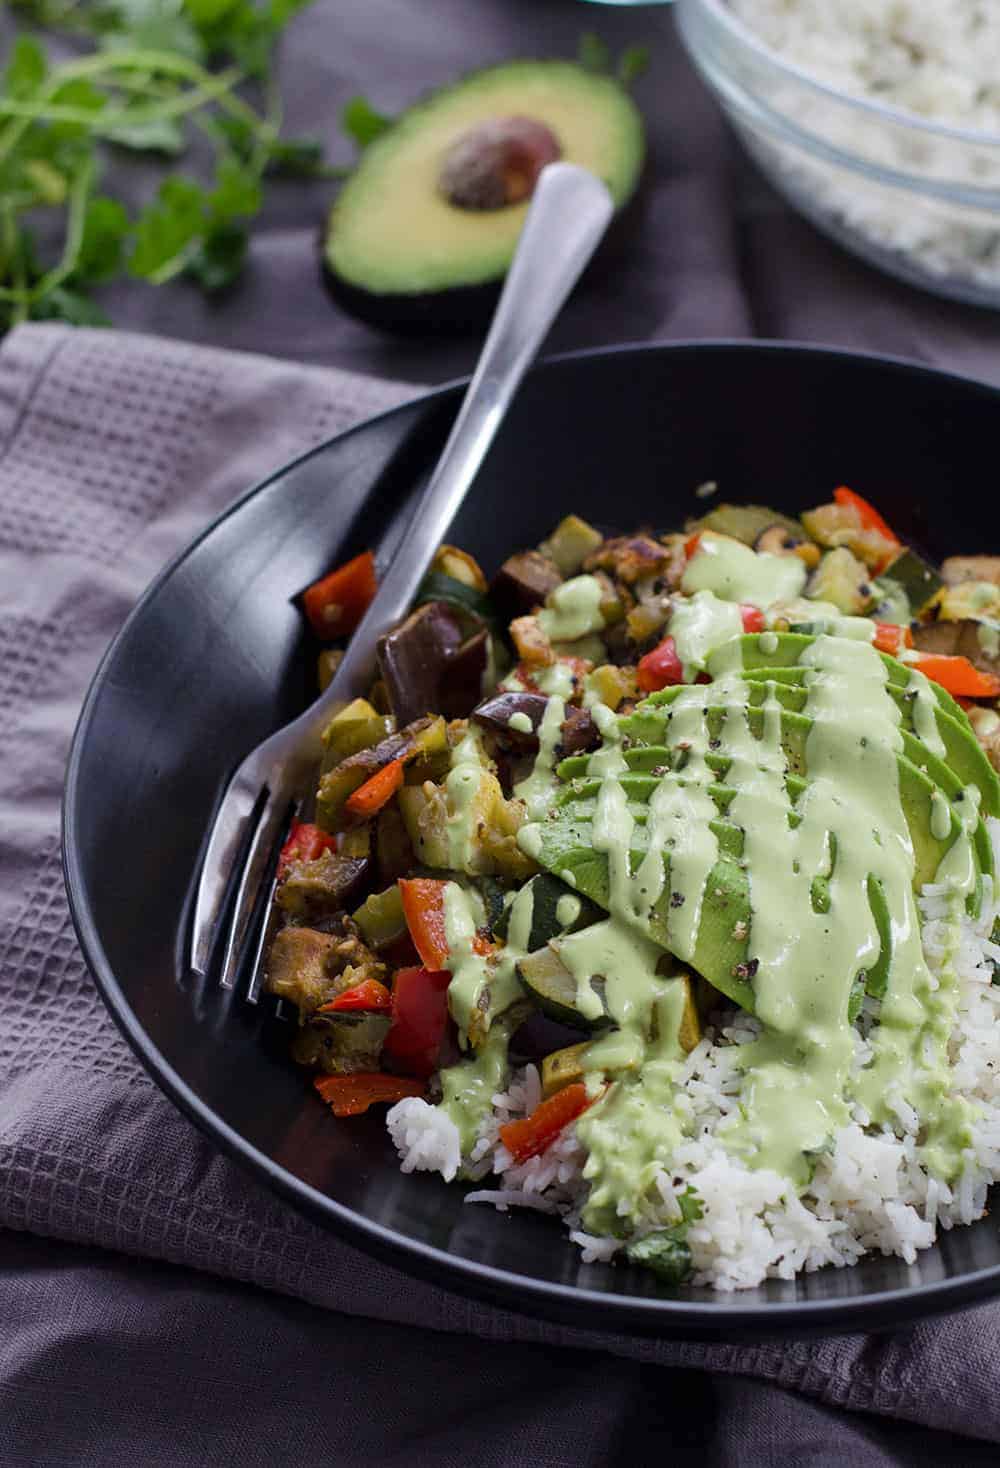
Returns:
point(569, 213)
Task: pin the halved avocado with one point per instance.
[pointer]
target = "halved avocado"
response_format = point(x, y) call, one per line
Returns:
point(423, 231)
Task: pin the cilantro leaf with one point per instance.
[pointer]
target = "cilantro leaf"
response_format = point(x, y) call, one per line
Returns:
point(237, 191)
point(167, 226)
point(632, 63)
point(26, 69)
point(148, 135)
point(592, 53)
point(71, 306)
point(665, 1252)
point(105, 226)
point(220, 257)
point(299, 158)
point(360, 121)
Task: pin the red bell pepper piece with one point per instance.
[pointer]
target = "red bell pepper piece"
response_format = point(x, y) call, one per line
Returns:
point(369, 995)
point(529, 1137)
point(691, 545)
point(660, 668)
point(891, 639)
point(377, 791)
point(753, 619)
point(423, 908)
point(868, 515)
point(336, 604)
point(958, 676)
point(304, 843)
point(350, 1095)
point(419, 1019)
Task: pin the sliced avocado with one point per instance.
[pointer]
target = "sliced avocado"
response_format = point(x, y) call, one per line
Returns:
point(963, 752)
point(961, 766)
point(424, 229)
point(721, 947)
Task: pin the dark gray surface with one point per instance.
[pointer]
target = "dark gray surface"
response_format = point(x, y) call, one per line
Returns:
point(103, 1359)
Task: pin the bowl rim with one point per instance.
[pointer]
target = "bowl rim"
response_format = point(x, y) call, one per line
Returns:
point(552, 1300)
point(722, 14)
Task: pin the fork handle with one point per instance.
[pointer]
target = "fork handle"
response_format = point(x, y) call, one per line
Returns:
point(569, 213)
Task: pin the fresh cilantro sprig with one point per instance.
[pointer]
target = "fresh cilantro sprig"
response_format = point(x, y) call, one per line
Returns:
point(160, 72)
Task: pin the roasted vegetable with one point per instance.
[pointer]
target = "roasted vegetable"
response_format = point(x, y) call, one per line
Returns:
point(336, 604)
point(532, 643)
point(419, 1020)
point(842, 579)
point(743, 522)
point(356, 727)
point(394, 856)
point(570, 544)
point(304, 843)
point(472, 606)
point(630, 558)
point(554, 989)
point(311, 890)
point(376, 792)
point(526, 710)
point(840, 526)
point(380, 918)
point(971, 568)
point(986, 723)
point(311, 968)
point(778, 540)
point(338, 784)
point(563, 1067)
point(555, 909)
point(977, 641)
point(368, 996)
point(415, 661)
point(978, 600)
point(477, 837)
point(917, 578)
point(458, 565)
point(535, 1133)
point(341, 1043)
point(958, 676)
point(327, 664)
point(523, 582)
point(613, 685)
point(350, 1095)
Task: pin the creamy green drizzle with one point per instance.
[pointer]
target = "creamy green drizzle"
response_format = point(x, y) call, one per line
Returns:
point(537, 787)
point(700, 623)
point(462, 786)
point(572, 610)
point(734, 572)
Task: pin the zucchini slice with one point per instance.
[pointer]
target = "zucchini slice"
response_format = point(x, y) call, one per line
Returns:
point(554, 989)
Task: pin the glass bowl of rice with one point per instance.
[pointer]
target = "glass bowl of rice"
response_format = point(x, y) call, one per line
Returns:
point(879, 122)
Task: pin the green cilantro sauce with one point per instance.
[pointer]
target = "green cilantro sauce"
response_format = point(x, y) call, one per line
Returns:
point(734, 572)
point(572, 610)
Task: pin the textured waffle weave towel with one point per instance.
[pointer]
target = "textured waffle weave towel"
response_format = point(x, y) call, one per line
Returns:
point(114, 451)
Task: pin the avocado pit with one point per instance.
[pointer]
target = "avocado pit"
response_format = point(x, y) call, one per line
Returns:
point(497, 163)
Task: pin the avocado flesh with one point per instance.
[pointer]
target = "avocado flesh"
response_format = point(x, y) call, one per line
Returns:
point(963, 752)
point(392, 232)
point(567, 839)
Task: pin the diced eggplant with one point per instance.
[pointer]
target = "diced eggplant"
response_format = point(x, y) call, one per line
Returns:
point(344, 1042)
point(413, 658)
point(310, 968)
point(496, 713)
point(336, 785)
point(299, 968)
point(971, 568)
point(461, 685)
point(579, 732)
point(523, 582)
point(311, 890)
point(977, 641)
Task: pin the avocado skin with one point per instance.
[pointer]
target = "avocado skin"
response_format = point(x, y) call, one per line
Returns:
point(467, 308)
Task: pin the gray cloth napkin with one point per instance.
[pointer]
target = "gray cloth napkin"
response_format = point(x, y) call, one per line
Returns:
point(114, 451)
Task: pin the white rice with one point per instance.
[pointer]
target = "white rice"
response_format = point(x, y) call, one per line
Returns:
point(870, 1193)
point(936, 59)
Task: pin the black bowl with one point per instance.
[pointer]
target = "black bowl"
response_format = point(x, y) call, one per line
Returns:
point(214, 657)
